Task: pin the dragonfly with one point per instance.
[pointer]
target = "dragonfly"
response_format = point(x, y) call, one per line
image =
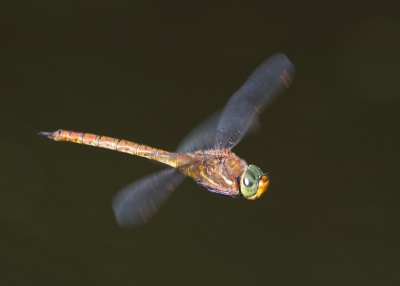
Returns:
point(204, 154)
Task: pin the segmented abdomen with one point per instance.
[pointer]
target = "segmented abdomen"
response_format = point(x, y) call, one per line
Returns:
point(121, 145)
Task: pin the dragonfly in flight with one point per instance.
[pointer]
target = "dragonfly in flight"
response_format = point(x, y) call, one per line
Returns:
point(204, 154)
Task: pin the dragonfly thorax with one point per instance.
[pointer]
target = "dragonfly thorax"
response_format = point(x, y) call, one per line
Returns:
point(217, 170)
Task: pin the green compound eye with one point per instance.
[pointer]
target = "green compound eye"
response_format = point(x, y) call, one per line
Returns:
point(253, 183)
point(249, 182)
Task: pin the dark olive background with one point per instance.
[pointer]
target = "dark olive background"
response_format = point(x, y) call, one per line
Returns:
point(149, 71)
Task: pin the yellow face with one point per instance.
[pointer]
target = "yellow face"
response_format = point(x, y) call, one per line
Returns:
point(253, 183)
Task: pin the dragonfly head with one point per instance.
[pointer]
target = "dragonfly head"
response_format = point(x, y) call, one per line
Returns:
point(253, 183)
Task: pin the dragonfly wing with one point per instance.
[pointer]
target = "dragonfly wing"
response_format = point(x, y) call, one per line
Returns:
point(138, 202)
point(202, 137)
point(263, 85)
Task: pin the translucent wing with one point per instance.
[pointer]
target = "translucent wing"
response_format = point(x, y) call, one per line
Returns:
point(138, 202)
point(263, 85)
point(202, 137)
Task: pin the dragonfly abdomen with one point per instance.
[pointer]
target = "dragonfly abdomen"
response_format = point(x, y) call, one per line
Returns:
point(119, 145)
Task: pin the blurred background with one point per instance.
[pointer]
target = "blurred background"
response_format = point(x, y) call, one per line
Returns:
point(149, 71)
